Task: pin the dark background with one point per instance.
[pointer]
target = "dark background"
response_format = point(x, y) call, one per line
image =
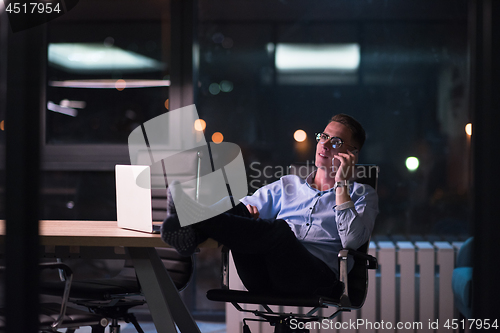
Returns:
point(412, 93)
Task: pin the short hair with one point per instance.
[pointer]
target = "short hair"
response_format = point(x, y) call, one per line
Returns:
point(358, 132)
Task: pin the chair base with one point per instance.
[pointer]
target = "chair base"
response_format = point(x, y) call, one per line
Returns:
point(73, 319)
point(115, 309)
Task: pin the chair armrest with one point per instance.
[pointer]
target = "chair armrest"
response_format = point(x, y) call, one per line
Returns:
point(371, 263)
point(67, 286)
point(225, 268)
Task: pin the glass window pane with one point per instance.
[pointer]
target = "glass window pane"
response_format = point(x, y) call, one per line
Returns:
point(104, 79)
point(409, 89)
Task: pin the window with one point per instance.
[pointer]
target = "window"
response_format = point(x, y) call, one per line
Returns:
point(408, 88)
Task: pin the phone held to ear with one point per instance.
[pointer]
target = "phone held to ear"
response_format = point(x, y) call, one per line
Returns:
point(335, 164)
point(336, 161)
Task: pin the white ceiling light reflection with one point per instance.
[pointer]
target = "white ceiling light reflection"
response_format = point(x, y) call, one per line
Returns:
point(333, 57)
point(317, 63)
point(97, 58)
point(73, 104)
point(61, 109)
point(109, 84)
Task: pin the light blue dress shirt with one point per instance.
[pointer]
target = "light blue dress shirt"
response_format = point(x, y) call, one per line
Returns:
point(318, 223)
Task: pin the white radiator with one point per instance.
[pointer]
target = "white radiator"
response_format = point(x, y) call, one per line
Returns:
point(410, 292)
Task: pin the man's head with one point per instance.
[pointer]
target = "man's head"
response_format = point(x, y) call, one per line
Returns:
point(357, 131)
point(348, 134)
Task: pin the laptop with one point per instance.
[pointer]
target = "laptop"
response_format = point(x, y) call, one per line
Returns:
point(133, 200)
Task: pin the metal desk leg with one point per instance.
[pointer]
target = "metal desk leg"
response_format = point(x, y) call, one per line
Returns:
point(164, 301)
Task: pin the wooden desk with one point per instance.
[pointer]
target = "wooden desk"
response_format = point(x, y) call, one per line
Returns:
point(164, 301)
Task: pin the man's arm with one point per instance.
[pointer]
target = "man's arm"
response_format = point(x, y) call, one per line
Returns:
point(356, 218)
point(343, 173)
point(266, 201)
point(253, 211)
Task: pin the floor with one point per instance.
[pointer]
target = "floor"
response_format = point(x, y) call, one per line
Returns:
point(145, 321)
point(149, 327)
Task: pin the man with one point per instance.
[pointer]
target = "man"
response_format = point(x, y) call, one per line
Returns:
point(286, 237)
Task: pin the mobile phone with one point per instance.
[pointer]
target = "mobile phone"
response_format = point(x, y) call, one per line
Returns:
point(356, 154)
point(335, 164)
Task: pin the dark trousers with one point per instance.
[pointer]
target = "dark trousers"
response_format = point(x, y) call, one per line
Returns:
point(268, 256)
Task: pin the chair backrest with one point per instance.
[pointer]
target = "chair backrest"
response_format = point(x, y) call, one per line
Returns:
point(358, 279)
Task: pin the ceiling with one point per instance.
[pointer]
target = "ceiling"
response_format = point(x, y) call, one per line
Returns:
point(273, 10)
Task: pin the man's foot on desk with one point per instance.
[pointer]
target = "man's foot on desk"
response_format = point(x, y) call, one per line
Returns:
point(184, 239)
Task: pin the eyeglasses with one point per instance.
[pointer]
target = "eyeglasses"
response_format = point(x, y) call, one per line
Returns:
point(334, 140)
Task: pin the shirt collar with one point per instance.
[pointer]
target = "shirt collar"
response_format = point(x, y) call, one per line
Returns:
point(310, 179)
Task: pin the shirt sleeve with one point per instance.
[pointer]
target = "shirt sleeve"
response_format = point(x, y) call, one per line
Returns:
point(356, 219)
point(267, 199)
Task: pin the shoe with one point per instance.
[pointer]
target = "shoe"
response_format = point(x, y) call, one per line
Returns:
point(184, 240)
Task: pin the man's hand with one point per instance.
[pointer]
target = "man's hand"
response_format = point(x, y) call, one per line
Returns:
point(253, 211)
point(345, 170)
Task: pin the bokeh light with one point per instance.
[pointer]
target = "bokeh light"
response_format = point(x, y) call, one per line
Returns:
point(217, 137)
point(200, 125)
point(214, 88)
point(412, 163)
point(468, 129)
point(2, 125)
point(300, 135)
point(167, 104)
point(226, 86)
point(218, 37)
point(120, 84)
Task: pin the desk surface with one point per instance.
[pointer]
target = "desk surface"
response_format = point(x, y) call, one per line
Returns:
point(94, 233)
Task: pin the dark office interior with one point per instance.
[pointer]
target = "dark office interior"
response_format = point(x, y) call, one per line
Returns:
point(424, 71)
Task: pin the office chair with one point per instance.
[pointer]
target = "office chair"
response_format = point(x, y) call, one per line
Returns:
point(461, 280)
point(114, 297)
point(54, 316)
point(355, 282)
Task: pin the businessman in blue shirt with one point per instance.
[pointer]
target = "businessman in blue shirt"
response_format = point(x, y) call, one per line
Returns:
point(285, 238)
